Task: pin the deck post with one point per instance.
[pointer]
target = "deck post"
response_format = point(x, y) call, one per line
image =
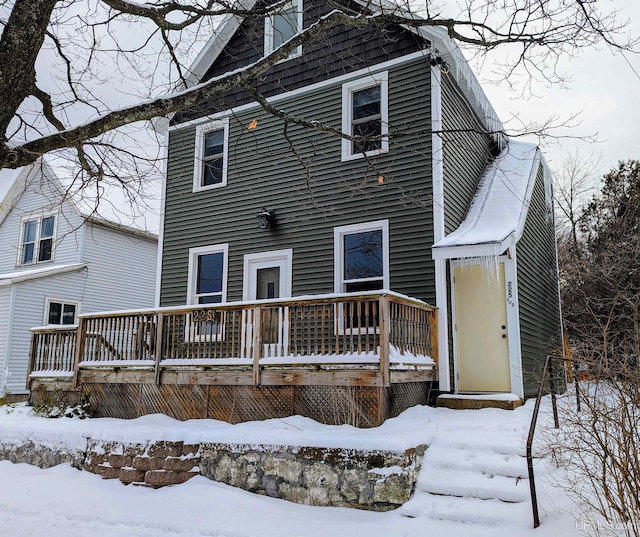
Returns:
point(385, 327)
point(433, 336)
point(35, 337)
point(80, 341)
point(257, 343)
point(158, 350)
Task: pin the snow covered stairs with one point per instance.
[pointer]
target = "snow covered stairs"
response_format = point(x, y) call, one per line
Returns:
point(472, 483)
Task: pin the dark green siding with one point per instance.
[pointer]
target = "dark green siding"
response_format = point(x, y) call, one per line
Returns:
point(340, 50)
point(466, 149)
point(310, 190)
point(537, 287)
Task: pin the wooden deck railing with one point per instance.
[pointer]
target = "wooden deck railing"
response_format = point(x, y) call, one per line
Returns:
point(366, 330)
point(52, 350)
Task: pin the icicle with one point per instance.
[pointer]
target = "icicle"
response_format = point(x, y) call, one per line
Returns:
point(489, 260)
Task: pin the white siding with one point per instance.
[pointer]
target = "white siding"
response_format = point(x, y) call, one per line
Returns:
point(122, 270)
point(121, 274)
point(40, 197)
point(29, 311)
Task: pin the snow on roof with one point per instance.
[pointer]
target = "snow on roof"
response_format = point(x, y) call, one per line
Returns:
point(7, 178)
point(39, 272)
point(496, 217)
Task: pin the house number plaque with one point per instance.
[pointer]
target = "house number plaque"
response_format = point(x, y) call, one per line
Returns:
point(204, 315)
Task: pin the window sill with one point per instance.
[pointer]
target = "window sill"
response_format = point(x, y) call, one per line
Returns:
point(355, 156)
point(34, 263)
point(209, 187)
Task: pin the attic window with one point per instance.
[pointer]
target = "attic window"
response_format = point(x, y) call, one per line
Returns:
point(211, 154)
point(365, 114)
point(282, 24)
point(36, 240)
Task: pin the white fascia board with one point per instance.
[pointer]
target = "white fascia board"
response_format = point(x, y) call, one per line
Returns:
point(525, 206)
point(220, 38)
point(493, 249)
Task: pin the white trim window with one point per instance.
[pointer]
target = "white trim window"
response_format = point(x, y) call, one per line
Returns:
point(208, 274)
point(207, 285)
point(365, 113)
point(37, 238)
point(211, 155)
point(361, 253)
point(281, 25)
point(60, 312)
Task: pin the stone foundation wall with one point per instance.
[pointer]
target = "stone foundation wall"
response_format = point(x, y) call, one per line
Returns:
point(373, 480)
point(41, 456)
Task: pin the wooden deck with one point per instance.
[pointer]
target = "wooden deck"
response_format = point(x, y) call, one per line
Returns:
point(367, 355)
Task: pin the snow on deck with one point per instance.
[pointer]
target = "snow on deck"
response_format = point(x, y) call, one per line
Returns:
point(496, 217)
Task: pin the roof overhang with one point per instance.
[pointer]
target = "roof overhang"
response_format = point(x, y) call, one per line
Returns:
point(36, 273)
point(441, 45)
point(497, 215)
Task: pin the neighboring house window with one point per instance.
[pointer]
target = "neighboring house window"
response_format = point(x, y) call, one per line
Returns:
point(362, 257)
point(211, 155)
point(365, 113)
point(59, 312)
point(207, 285)
point(281, 25)
point(36, 243)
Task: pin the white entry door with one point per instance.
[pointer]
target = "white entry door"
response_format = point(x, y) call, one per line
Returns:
point(480, 323)
point(267, 275)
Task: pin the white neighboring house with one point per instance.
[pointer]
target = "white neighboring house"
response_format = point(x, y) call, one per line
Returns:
point(56, 263)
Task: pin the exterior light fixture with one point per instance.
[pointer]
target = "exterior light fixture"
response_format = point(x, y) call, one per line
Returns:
point(266, 219)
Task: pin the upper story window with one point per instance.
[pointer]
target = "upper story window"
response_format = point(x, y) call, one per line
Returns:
point(365, 113)
point(211, 155)
point(36, 240)
point(208, 274)
point(362, 257)
point(59, 312)
point(281, 25)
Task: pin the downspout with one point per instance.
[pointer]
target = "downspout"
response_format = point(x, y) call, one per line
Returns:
point(437, 170)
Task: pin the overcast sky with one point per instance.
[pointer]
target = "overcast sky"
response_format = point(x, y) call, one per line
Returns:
point(604, 90)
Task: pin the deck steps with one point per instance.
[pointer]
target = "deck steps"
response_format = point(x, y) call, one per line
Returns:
point(480, 481)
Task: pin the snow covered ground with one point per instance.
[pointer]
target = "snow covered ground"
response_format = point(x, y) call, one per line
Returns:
point(474, 454)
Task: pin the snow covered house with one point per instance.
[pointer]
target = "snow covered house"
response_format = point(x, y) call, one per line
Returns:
point(441, 207)
point(57, 263)
point(343, 278)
